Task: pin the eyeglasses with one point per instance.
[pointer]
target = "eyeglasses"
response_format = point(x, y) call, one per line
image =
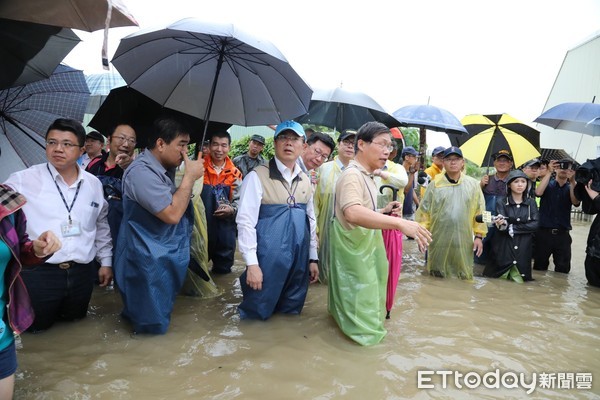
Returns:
point(121, 139)
point(320, 153)
point(384, 146)
point(289, 138)
point(65, 145)
point(348, 143)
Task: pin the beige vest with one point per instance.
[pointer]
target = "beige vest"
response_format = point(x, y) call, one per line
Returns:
point(276, 191)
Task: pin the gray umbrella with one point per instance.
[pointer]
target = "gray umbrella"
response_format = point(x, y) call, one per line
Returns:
point(27, 111)
point(214, 72)
point(341, 109)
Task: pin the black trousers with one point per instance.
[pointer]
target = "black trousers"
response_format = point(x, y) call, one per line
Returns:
point(592, 270)
point(58, 294)
point(555, 243)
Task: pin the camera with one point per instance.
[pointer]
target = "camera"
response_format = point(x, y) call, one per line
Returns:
point(564, 164)
point(488, 218)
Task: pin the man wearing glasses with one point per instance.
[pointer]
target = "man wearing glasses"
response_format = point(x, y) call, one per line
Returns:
point(121, 143)
point(277, 231)
point(64, 198)
point(317, 149)
point(109, 168)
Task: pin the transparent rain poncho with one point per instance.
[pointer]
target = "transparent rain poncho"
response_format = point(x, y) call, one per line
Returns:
point(448, 210)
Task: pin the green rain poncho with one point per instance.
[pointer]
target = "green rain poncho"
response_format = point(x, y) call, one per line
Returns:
point(448, 210)
point(358, 269)
point(323, 200)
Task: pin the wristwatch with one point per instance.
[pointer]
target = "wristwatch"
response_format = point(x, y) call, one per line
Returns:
point(313, 261)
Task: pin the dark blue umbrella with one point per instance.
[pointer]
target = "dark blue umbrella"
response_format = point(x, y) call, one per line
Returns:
point(577, 117)
point(27, 111)
point(429, 117)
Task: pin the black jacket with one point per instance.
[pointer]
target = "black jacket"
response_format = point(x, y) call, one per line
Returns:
point(506, 249)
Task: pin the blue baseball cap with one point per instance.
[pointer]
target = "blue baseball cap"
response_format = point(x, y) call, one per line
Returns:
point(438, 150)
point(290, 126)
point(453, 150)
point(409, 150)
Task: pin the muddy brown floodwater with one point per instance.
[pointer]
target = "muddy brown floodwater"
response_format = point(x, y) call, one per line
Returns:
point(546, 332)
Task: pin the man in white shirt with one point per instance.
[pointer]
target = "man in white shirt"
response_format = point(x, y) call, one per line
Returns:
point(64, 198)
point(277, 231)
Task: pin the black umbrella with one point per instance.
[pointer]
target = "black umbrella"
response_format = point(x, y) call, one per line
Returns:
point(555, 154)
point(86, 15)
point(127, 105)
point(30, 52)
point(27, 111)
point(213, 71)
point(340, 109)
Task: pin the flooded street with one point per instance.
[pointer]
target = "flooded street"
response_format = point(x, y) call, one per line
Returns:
point(551, 325)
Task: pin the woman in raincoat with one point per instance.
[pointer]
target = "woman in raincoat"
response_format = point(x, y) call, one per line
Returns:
point(359, 266)
point(517, 220)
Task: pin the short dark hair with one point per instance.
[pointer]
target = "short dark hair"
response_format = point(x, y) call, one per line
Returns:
point(323, 137)
point(113, 128)
point(167, 129)
point(69, 125)
point(221, 134)
point(369, 131)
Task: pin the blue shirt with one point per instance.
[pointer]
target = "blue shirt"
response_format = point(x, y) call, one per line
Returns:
point(555, 206)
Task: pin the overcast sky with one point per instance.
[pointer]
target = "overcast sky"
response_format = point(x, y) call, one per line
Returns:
point(467, 56)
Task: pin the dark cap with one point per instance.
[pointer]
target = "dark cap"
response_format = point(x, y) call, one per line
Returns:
point(346, 134)
point(258, 138)
point(531, 163)
point(452, 150)
point(514, 174)
point(409, 150)
point(438, 150)
point(95, 135)
point(502, 153)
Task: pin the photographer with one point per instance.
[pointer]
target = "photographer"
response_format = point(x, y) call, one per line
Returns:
point(557, 197)
point(588, 189)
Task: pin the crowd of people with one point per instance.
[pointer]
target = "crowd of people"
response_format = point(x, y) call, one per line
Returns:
point(298, 218)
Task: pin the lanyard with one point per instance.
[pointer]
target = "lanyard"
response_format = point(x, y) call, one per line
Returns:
point(62, 196)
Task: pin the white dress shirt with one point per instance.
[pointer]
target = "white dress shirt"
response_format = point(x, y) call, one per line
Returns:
point(249, 206)
point(45, 210)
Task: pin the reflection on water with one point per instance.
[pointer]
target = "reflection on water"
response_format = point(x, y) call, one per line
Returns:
point(551, 325)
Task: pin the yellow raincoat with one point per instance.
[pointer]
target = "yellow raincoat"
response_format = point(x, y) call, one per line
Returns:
point(398, 178)
point(448, 210)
